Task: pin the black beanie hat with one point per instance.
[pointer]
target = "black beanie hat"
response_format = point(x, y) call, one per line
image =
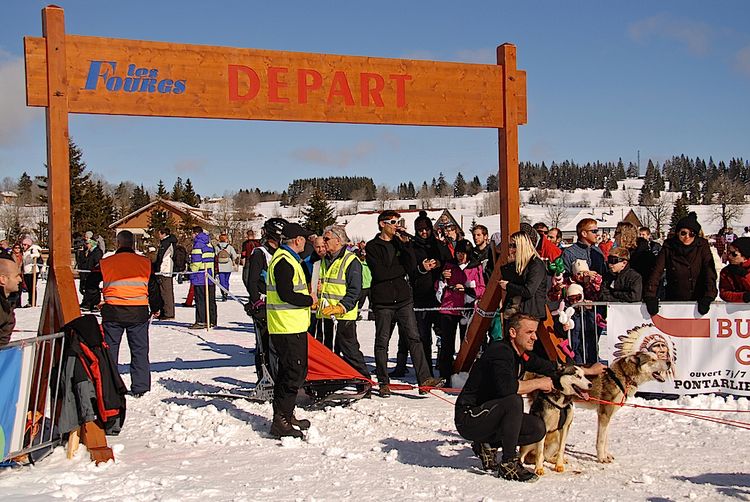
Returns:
point(743, 246)
point(463, 246)
point(690, 222)
point(422, 221)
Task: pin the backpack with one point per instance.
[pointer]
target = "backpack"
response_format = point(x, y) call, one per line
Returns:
point(224, 256)
point(180, 258)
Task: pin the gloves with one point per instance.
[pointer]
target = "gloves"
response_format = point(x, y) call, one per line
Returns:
point(738, 270)
point(333, 310)
point(746, 297)
point(255, 309)
point(704, 304)
point(652, 305)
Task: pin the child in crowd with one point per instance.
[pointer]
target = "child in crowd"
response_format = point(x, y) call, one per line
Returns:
point(583, 332)
point(627, 284)
point(734, 279)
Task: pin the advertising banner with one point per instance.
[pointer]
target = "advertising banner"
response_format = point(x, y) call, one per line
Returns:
point(709, 354)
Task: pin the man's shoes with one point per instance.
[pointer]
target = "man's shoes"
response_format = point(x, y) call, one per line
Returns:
point(281, 427)
point(301, 423)
point(384, 390)
point(197, 325)
point(487, 455)
point(513, 470)
point(162, 318)
point(398, 372)
point(137, 394)
point(432, 382)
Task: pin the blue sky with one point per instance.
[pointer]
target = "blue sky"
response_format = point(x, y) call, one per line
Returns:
point(605, 79)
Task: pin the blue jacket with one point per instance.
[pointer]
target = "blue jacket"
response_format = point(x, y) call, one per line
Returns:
point(201, 256)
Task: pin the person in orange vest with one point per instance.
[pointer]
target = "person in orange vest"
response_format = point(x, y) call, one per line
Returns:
point(125, 276)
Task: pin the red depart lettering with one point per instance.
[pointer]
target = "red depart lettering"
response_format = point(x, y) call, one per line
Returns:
point(253, 83)
point(275, 83)
point(366, 92)
point(400, 89)
point(304, 85)
point(340, 87)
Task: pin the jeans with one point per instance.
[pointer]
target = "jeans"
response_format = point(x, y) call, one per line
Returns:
point(407, 325)
point(140, 367)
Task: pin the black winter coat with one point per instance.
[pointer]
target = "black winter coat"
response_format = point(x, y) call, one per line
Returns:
point(627, 287)
point(691, 274)
point(642, 259)
point(391, 262)
point(531, 286)
point(423, 281)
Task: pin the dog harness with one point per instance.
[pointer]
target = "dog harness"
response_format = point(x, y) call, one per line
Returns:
point(563, 412)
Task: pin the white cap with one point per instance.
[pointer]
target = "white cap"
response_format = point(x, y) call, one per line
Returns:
point(580, 266)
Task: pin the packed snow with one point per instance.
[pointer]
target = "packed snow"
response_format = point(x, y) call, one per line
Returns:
point(179, 446)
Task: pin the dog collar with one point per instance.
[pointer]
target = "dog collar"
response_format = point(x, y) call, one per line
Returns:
point(617, 381)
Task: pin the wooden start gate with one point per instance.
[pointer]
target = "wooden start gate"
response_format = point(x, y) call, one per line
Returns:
point(80, 74)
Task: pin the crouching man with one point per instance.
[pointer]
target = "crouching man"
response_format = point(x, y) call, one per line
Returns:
point(489, 410)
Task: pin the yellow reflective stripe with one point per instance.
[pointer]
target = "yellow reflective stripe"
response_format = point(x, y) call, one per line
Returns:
point(282, 306)
point(126, 283)
point(297, 287)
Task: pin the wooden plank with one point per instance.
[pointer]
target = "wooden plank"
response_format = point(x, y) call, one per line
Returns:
point(60, 300)
point(521, 108)
point(221, 82)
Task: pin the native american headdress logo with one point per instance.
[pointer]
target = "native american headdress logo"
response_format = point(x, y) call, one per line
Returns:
point(648, 337)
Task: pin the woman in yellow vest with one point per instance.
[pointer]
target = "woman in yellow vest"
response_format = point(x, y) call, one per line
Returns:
point(288, 306)
point(341, 285)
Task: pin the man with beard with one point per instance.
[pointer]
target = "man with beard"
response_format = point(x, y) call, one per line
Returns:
point(430, 255)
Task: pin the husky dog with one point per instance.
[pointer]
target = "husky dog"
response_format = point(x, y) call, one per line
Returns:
point(556, 410)
point(620, 381)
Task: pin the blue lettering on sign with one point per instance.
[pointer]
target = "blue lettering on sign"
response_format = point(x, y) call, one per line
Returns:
point(135, 80)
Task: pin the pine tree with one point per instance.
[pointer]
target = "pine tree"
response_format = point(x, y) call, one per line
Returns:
point(475, 186)
point(178, 190)
point(632, 171)
point(681, 209)
point(459, 186)
point(492, 183)
point(140, 198)
point(318, 214)
point(158, 219)
point(190, 197)
point(441, 187)
point(161, 192)
point(24, 188)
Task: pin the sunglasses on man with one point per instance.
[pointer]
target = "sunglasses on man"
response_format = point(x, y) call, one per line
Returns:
point(593, 230)
point(614, 260)
point(736, 254)
point(687, 233)
point(391, 222)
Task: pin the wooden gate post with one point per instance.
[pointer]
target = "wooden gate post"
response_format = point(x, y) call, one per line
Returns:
point(510, 204)
point(60, 304)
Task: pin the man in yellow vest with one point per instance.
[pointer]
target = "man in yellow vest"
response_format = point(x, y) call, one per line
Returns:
point(288, 306)
point(125, 276)
point(341, 285)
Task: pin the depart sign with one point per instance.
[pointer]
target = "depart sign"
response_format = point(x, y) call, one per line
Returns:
point(134, 77)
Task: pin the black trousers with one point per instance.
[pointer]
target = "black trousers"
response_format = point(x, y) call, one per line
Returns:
point(347, 345)
point(322, 330)
point(501, 423)
point(426, 322)
point(407, 326)
point(28, 279)
point(292, 370)
point(448, 325)
point(200, 303)
point(264, 352)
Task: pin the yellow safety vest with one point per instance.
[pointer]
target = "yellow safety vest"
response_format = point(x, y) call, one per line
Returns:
point(334, 284)
point(284, 318)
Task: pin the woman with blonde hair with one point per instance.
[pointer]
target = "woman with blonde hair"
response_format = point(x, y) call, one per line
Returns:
point(524, 279)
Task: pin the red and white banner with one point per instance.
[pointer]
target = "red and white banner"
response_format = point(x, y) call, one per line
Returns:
point(708, 353)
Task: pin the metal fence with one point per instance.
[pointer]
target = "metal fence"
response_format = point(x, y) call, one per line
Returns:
point(37, 405)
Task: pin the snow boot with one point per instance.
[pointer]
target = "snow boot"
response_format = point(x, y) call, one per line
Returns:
point(301, 423)
point(487, 455)
point(431, 382)
point(384, 390)
point(282, 427)
point(513, 470)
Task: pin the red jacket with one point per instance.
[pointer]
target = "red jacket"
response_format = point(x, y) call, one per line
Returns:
point(548, 250)
point(606, 246)
point(732, 287)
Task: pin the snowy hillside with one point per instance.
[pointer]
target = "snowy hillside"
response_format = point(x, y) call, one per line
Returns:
point(179, 446)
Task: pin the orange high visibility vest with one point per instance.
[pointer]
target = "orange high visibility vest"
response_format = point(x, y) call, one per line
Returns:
point(125, 277)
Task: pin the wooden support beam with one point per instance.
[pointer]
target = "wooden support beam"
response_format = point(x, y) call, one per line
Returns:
point(510, 202)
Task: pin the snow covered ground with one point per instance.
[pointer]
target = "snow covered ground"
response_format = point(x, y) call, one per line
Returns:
point(180, 446)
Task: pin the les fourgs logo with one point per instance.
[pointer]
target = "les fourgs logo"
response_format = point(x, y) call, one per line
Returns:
point(135, 79)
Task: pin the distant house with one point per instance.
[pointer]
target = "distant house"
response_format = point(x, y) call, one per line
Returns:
point(138, 221)
point(8, 197)
point(606, 219)
point(364, 225)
